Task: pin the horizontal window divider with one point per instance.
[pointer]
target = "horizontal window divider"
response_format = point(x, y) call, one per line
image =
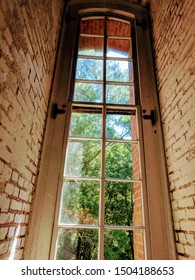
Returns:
point(108, 106)
point(106, 227)
point(118, 37)
point(85, 138)
point(91, 56)
point(87, 106)
point(91, 35)
point(123, 180)
point(122, 141)
point(124, 227)
point(78, 226)
point(106, 139)
point(114, 83)
point(89, 81)
point(99, 179)
point(129, 59)
point(121, 20)
point(129, 108)
point(90, 17)
point(81, 178)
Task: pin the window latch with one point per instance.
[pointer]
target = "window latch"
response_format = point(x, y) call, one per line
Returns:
point(55, 110)
point(151, 117)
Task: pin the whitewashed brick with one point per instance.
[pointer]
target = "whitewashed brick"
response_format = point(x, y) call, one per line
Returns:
point(16, 205)
point(190, 238)
point(24, 195)
point(3, 232)
point(11, 232)
point(26, 207)
point(15, 176)
point(4, 202)
point(21, 182)
point(180, 248)
point(16, 192)
point(186, 202)
point(182, 237)
point(1, 167)
point(18, 254)
point(188, 225)
point(6, 173)
point(27, 76)
point(4, 247)
point(9, 188)
point(190, 250)
point(6, 218)
point(19, 218)
point(179, 214)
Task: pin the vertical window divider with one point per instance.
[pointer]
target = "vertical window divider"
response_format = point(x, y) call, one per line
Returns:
point(102, 186)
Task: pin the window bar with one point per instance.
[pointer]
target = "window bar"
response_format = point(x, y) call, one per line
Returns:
point(87, 226)
point(102, 185)
point(99, 179)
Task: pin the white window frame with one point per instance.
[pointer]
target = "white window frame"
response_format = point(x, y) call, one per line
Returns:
point(157, 212)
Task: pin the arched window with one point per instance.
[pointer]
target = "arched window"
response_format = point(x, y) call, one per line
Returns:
point(105, 182)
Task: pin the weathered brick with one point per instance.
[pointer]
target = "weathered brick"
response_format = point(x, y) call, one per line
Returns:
point(4, 247)
point(28, 52)
point(19, 218)
point(3, 232)
point(9, 189)
point(11, 232)
point(173, 40)
point(15, 176)
point(15, 205)
point(24, 195)
point(180, 248)
point(188, 225)
point(190, 250)
point(4, 202)
point(6, 218)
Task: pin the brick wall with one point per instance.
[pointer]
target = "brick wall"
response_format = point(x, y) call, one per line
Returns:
point(29, 37)
point(173, 25)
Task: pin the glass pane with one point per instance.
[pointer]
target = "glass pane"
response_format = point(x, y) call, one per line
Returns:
point(119, 204)
point(119, 48)
point(80, 202)
point(89, 69)
point(118, 28)
point(90, 46)
point(86, 92)
point(86, 125)
point(121, 126)
point(79, 244)
point(120, 71)
point(92, 26)
point(123, 245)
point(83, 158)
point(119, 94)
point(119, 161)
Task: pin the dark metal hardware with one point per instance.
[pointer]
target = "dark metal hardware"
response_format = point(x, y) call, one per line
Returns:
point(55, 110)
point(151, 117)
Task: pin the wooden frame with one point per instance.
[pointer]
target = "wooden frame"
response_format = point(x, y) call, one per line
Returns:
point(158, 220)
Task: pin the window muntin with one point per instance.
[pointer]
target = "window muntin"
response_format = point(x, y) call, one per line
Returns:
point(103, 147)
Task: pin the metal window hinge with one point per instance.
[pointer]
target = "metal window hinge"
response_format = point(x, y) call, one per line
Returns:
point(151, 117)
point(55, 110)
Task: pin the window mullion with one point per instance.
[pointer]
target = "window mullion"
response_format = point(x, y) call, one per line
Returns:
point(101, 232)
